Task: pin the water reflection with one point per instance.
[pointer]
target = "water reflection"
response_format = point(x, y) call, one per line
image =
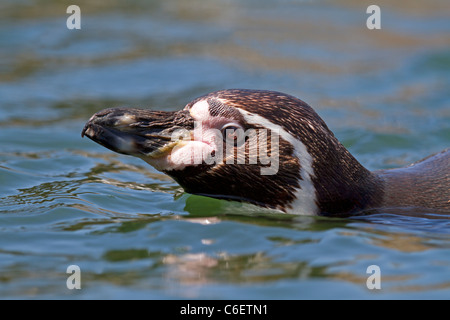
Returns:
point(63, 200)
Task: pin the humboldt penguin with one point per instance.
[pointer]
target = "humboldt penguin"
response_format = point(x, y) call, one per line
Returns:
point(269, 149)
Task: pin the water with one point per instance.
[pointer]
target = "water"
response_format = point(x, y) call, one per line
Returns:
point(131, 230)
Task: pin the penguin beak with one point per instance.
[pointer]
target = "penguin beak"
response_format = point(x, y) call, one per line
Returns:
point(137, 132)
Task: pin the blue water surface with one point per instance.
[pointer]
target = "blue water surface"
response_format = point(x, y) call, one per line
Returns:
point(132, 231)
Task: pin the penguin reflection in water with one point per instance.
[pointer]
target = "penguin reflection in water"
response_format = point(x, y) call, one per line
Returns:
point(213, 147)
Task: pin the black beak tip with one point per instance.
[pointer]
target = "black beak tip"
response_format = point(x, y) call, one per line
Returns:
point(85, 130)
point(91, 124)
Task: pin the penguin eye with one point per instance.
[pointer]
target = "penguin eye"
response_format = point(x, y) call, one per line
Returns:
point(233, 134)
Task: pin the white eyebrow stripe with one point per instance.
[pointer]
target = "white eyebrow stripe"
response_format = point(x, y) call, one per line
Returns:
point(200, 110)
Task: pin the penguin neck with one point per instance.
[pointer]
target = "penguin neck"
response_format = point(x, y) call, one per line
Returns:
point(343, 186)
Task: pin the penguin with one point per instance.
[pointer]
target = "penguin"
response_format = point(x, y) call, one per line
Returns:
point(269, 149)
